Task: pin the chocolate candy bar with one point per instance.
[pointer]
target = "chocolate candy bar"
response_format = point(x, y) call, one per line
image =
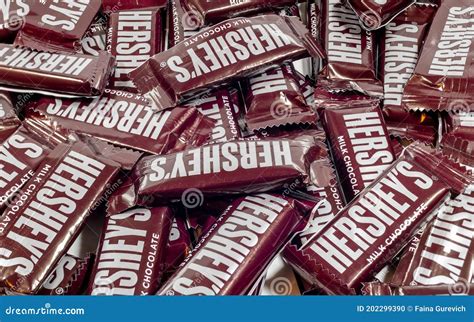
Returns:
point(220, 107)
point(114, 5)
point(54, 25)
point(374, 227)
point(227, 168)
point(68, 277)
point(376, 14)
point(400, 46)
point(350, 51)
point(95, 38)
point(232, 255)
point(445, 252)
point(9, 121)
point(12, 16)
point(178, 246)
point(126, 119)
point(40, 226)
point(218, 54)
point(221, 10)
point(134, 36)
point(26, 70)
point(443, 76)
point(21, 154)
point(131, 251)
point(406, 257)
point(359, 143)
point(273, 98)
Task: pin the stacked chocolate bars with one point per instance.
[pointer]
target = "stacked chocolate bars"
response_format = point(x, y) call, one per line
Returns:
point(212, 141)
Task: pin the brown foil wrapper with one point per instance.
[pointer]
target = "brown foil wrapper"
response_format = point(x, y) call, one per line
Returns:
point(48, 215)
point(26, 70)
point(178, 247)
point(125, 119)
point(21, 154)
point(68, 277)
point(131, 252)
point(95, 39)
point(223, 9)
point(57, 25)
point(359, 142)
point(224, 52)
point(273, 98)
point(134, 36)
point(459, 124)
point(221, 107)
point(443, 78)
point(401, 44)
point(376, 14)
point(114, 5)
point(9, 121)
point(379, 222)
point(350, 51)
point(238, 248)
point(445, 252)
point(458, 148)
point(12, 16)
point(230, 168)
point(406, 257)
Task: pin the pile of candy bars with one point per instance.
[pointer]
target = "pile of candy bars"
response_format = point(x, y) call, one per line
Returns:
point(237, 147)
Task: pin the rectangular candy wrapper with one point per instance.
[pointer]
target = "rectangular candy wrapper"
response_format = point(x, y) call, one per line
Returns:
point(131, 252)
point(406, 257)
point(40, 226)
point(379, 222)
point(63, 74)
point(178, 247)
point(215, 11)
point(445, 252)
point(223, 109)
point(375, 14)
point(114, 5)
point(9, 121)
point(238, 167)
point(350, 51)
point(21, 154)
point(443, 78)
point(12, 16)
point(126, 119)
point(134, 36)
point(401, 44)
point(54, 25)
point(226, 263)
point(95, 38)
point(68, 277)
point(459, 124)
point(219, 54)
point(273, 98)
point(359, 142)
